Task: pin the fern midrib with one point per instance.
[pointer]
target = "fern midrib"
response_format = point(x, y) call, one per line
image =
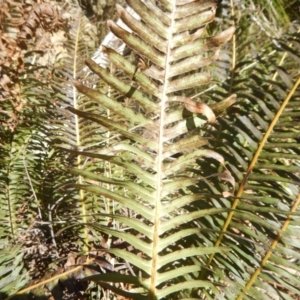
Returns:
point(78, 141)
point(160, 161)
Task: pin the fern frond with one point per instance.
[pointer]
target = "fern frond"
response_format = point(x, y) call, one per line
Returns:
point(13, 277)
point(262, 152)
point(157, 145)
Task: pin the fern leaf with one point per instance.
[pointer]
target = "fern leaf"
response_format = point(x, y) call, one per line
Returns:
point(156, 144)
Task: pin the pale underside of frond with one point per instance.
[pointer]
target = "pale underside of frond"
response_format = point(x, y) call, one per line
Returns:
point(155, 145)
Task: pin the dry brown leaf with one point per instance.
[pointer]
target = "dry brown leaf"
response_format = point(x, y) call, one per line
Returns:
point(196, 107)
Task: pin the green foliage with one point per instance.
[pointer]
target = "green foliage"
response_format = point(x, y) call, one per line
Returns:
point(12, 275)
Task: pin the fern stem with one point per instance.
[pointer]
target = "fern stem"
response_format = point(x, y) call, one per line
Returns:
point(233, 61)
point(78, 142)
point(29, 178)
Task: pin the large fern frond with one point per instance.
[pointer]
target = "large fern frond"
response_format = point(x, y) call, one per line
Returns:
point(157, 141)
point(260, 143)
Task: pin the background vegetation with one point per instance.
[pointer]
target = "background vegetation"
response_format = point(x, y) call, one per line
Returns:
point(42, 47)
